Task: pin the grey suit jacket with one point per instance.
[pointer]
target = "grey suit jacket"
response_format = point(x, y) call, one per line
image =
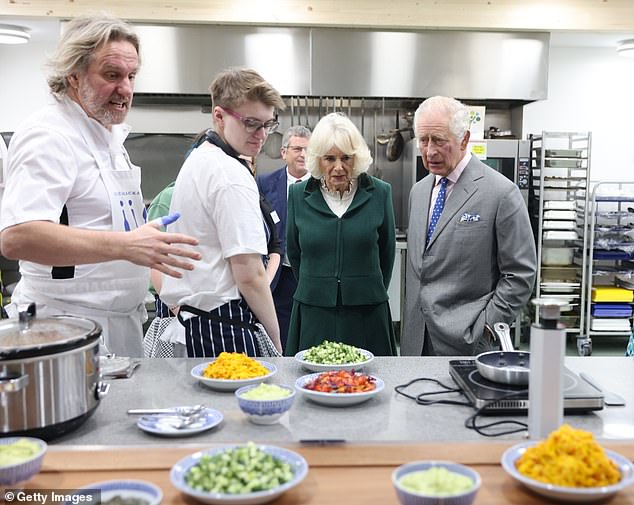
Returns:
point(479, 266)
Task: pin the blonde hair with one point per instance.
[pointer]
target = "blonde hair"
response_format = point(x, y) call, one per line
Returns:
point(336, 130)
point(234, 86)
point(82, 37)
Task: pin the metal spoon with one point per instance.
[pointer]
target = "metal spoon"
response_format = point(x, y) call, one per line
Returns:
point(181, 411)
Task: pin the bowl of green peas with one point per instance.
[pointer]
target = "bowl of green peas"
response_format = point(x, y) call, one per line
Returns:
point(329, 356)
point(246, 474)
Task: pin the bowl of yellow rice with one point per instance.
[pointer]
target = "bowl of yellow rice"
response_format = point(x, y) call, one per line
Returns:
point(231, 370)
point(569, 466)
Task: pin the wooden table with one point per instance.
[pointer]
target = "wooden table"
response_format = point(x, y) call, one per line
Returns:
point(346, 473)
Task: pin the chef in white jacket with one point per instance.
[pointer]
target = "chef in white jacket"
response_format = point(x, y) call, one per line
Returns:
point(72, 210)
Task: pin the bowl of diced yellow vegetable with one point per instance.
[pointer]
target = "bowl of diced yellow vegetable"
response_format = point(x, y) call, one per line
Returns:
point(232, 370)
point(435, 483)
point(246, 474)
point(20, 459)
point(569, 466)
point(265, 403)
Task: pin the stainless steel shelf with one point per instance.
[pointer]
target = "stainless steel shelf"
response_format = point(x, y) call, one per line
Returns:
point(560, 170)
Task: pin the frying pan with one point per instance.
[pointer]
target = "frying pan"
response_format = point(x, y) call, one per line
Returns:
point(395, 144)
point(506, 366)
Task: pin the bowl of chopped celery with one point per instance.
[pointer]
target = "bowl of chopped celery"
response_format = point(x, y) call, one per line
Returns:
point(435, 483)
point(20, 459)
point(246, 474)
point(333, 356)
point(265, 403)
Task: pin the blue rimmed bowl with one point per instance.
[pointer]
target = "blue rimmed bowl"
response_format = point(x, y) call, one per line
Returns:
point(408, 497)
point(22, 470)
point(265, 411)
point(181, 469)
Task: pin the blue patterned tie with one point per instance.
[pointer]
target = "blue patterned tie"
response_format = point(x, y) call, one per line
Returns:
point(438, 206)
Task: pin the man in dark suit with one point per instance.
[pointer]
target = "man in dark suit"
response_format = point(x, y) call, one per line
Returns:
point(470, 249)
point(274, 187)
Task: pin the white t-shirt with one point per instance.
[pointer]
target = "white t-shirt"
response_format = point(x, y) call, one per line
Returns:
point(219, 203)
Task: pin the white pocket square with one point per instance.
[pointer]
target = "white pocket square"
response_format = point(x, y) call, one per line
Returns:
point(467, 217)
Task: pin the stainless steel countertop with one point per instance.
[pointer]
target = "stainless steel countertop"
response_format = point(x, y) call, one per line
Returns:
point(387, 417)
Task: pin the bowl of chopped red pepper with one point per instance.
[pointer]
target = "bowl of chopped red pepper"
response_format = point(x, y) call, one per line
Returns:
point(339, 388)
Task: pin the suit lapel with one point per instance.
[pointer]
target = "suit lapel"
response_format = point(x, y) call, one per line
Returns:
point(281, 194)
point(464, 189)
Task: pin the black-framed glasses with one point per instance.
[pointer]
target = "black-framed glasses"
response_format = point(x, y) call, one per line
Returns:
point(251, 125)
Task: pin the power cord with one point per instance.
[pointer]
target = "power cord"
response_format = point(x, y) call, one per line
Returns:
point(420, 400)
point(470, 423)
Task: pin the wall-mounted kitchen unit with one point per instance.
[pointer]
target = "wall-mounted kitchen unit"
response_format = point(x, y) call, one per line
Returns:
point(181, 61)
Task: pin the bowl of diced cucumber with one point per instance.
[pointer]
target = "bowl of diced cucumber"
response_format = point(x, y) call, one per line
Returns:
point(329, 356)
point(246, 474)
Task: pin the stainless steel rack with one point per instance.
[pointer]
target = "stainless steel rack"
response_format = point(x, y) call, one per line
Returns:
point(560, 175)
point(610, 253)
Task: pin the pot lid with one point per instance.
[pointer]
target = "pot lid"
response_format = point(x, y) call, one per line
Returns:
point(32, 333)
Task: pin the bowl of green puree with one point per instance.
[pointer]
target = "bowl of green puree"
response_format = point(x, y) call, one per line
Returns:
point(435, 483)
point(265, 403)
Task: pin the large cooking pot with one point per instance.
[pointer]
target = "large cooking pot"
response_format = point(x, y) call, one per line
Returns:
point(506, 366)
point(49, 374)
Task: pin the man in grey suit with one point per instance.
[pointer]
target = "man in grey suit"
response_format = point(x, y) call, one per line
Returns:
point(471, 253)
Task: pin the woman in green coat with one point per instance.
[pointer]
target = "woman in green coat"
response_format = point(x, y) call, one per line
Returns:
point(341, 245)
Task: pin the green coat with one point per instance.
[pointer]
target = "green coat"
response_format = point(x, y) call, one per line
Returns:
point(343, 266)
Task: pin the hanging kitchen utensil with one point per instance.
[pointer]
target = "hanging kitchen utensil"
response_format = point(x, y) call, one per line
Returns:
point(506, 366)
point(377, 170)
point(382, 138)
point(307, 113)
point(363, 118)
point(273, 144)
point(292, 111)
point(395, 144)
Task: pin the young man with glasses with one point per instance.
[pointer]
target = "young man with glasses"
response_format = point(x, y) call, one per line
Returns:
point(274, 187)
point(218, 199)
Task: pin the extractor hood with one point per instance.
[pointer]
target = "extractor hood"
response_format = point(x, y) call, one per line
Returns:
point(179, 62)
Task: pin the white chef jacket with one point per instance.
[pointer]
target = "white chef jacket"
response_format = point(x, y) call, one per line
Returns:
point(54, 162)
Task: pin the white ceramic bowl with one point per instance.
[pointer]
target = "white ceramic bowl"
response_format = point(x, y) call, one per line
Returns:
point(568, 494)
point(319, 367)
point(24, 470)
point(231, 385)
point(407, 497)
point(180, 469)
point(336, 399)
point(265, 411)
point(125, 489)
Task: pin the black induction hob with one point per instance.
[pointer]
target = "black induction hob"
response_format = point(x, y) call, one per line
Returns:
point(579, 396)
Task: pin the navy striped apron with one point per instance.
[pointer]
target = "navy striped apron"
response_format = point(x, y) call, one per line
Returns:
point(228, 328)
